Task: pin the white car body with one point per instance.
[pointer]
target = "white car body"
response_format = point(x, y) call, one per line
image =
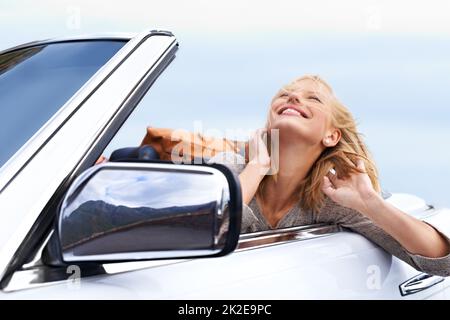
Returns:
point(312, 262)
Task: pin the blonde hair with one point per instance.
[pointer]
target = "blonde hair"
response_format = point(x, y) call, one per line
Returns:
point(341, 157)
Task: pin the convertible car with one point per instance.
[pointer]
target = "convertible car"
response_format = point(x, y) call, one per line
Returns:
point(137, 227)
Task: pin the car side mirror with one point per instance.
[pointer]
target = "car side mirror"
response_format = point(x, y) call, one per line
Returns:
point(128, 211)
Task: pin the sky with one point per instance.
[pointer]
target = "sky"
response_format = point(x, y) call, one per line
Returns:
point(61, 17)
point(152, 189)
point(389, 62)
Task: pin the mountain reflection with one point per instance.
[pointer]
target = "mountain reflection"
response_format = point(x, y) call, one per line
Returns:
point(96, 219)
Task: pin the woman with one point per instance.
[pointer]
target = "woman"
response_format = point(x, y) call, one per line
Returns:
point(325, 174)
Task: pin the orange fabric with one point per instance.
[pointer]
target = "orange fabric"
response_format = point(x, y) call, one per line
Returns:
point(189, 145)
point(101, 159)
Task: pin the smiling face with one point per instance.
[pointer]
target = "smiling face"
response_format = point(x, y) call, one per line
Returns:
point(302, 111)
point(311, 119)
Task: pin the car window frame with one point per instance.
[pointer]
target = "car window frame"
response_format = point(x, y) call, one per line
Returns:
point(43, 225)
point(263, 239)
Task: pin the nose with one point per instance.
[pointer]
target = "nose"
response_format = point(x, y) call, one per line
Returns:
point(293, 98)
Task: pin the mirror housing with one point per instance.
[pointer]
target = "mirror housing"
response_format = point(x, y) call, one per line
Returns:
point(141, 210)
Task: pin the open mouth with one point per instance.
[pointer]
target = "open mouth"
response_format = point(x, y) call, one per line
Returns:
point(290, 110)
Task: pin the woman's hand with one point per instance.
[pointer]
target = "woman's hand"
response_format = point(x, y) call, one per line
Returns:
point(257, 167)
point(258, 153)
point(355, 192)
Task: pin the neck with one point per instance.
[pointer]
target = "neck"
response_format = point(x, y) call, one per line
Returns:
point(294, 163)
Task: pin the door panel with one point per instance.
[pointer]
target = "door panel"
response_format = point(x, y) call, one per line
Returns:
point(340, 266)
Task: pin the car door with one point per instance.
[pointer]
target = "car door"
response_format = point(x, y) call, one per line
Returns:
point(312, 262)
point(309, 262)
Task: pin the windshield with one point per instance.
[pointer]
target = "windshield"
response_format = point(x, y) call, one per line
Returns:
point(35, 82)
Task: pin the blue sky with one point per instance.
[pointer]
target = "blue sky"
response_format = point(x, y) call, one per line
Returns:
point(388, 62)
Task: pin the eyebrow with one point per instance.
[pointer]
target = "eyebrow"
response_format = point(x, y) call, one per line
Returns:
point(313, 92)
point(305, 91)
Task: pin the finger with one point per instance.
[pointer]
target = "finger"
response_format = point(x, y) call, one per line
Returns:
point(262, 139)
point(260, 133)
point(328, 188)
point(254, 138)
point(327, 183)
point(333, 177)
point(360, 165)
point(101, 159)
point(263, 129)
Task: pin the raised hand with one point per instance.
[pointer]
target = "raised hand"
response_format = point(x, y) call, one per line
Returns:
point(258, 153)
point(354, 192)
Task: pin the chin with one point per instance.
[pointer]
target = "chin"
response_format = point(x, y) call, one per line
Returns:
point(293, 131)
point(290, 124)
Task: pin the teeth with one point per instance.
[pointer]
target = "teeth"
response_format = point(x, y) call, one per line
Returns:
point(291, 111)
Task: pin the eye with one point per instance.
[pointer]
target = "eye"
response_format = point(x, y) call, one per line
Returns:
point(314, 98)
point(283, 94)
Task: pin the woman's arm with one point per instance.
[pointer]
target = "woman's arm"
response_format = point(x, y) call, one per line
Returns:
point(257, 167)
point(416, 236)
point(250, 176)
point(250, 179)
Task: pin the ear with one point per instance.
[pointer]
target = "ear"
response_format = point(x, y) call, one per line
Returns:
point(332, 138)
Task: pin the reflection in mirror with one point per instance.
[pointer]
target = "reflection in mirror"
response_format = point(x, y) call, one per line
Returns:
point(122, 211)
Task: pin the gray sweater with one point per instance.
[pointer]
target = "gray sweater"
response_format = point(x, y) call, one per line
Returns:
point(333, 213)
